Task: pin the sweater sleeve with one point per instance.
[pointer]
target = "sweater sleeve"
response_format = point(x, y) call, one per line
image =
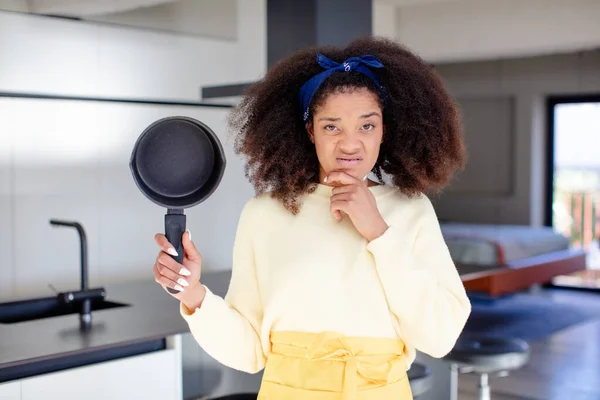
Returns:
point(421, 283)
point(228, 328)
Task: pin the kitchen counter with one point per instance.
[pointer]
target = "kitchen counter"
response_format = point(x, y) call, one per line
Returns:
point(51, 344)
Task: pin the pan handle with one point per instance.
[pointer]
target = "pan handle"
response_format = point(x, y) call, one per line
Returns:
point(174, 229)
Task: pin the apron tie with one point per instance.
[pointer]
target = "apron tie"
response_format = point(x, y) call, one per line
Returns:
point(334, 347)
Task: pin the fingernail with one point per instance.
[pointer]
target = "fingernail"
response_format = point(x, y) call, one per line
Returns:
point(183, 282)
point(365, 178)
point(325, 180)
point(189, 235)
point(184, 271)
point(172, 251)
point(179, 288)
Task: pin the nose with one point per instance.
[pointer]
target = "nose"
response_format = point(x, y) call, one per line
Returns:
point(349, 143)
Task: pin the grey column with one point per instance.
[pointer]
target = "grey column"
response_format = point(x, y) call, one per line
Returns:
point(296, 24)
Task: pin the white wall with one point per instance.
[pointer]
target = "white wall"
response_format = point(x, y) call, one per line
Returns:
point(527, 82)
point(44, 55)
point(468, 30)
point(251, 53)
point(14, 5)
point(383, 19)
point(70, 161)
point(212, 19)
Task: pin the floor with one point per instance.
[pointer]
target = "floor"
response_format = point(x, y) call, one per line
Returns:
point(563, 366)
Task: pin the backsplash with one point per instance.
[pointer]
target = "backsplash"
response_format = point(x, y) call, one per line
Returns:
point(69, 160)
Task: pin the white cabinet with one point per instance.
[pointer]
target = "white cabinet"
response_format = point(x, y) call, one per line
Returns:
point(10, 391)
point(155, 375)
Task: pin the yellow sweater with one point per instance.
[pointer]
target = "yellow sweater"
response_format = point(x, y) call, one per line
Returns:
point(310, 273)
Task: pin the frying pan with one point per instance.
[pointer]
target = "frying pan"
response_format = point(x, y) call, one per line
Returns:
point(177, 163)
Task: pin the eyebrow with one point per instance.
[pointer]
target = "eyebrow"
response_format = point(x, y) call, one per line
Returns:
point(334, 119)
point(371, 114)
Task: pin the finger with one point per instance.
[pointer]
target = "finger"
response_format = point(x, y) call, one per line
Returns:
point(166, 282)
point(168, 261)
point(189, 248)
point(155, 272)
point(337, 214)
point(337, 207)
point(171, 275)
point(346, 196)
point(164, 244)
point(342, 178)
point(344, 189)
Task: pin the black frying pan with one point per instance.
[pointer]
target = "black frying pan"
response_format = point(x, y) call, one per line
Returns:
point(177, 162)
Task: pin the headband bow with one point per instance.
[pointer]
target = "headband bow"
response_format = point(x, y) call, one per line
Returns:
point(359, 64)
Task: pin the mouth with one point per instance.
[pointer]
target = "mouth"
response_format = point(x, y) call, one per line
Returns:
point(349, 161)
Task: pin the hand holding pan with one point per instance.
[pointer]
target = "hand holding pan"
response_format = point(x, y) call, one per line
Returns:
point(177, 162)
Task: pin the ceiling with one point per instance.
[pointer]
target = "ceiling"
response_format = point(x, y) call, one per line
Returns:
point(204, 18)
point(86, 8)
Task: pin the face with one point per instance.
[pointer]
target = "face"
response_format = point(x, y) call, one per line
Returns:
point(347, 131)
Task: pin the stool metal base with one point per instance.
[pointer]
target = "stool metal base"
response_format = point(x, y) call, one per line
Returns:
point(453, 382)
point(485, 357)
point(483, 386)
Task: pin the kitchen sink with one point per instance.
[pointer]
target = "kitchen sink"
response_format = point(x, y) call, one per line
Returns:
point(47, 307)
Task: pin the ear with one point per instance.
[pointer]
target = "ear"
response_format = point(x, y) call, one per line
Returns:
point(311, 132)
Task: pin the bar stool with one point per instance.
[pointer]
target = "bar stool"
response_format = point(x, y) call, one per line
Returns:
point(420, 379)
point(484, 357)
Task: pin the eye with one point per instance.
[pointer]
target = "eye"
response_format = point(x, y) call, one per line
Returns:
point(368, 127)
point(330, 128)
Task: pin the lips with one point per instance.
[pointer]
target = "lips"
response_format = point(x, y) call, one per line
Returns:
point(349, 161)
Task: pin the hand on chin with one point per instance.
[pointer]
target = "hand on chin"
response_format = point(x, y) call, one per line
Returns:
point(352, 197)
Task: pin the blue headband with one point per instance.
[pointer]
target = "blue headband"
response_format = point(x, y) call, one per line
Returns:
point(358, 64)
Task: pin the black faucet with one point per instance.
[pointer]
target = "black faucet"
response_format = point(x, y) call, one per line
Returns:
point(85, 295)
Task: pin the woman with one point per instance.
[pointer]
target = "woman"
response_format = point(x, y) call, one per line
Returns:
point(337, 279)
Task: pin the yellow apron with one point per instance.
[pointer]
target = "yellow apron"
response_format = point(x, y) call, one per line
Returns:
point(330, 366)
